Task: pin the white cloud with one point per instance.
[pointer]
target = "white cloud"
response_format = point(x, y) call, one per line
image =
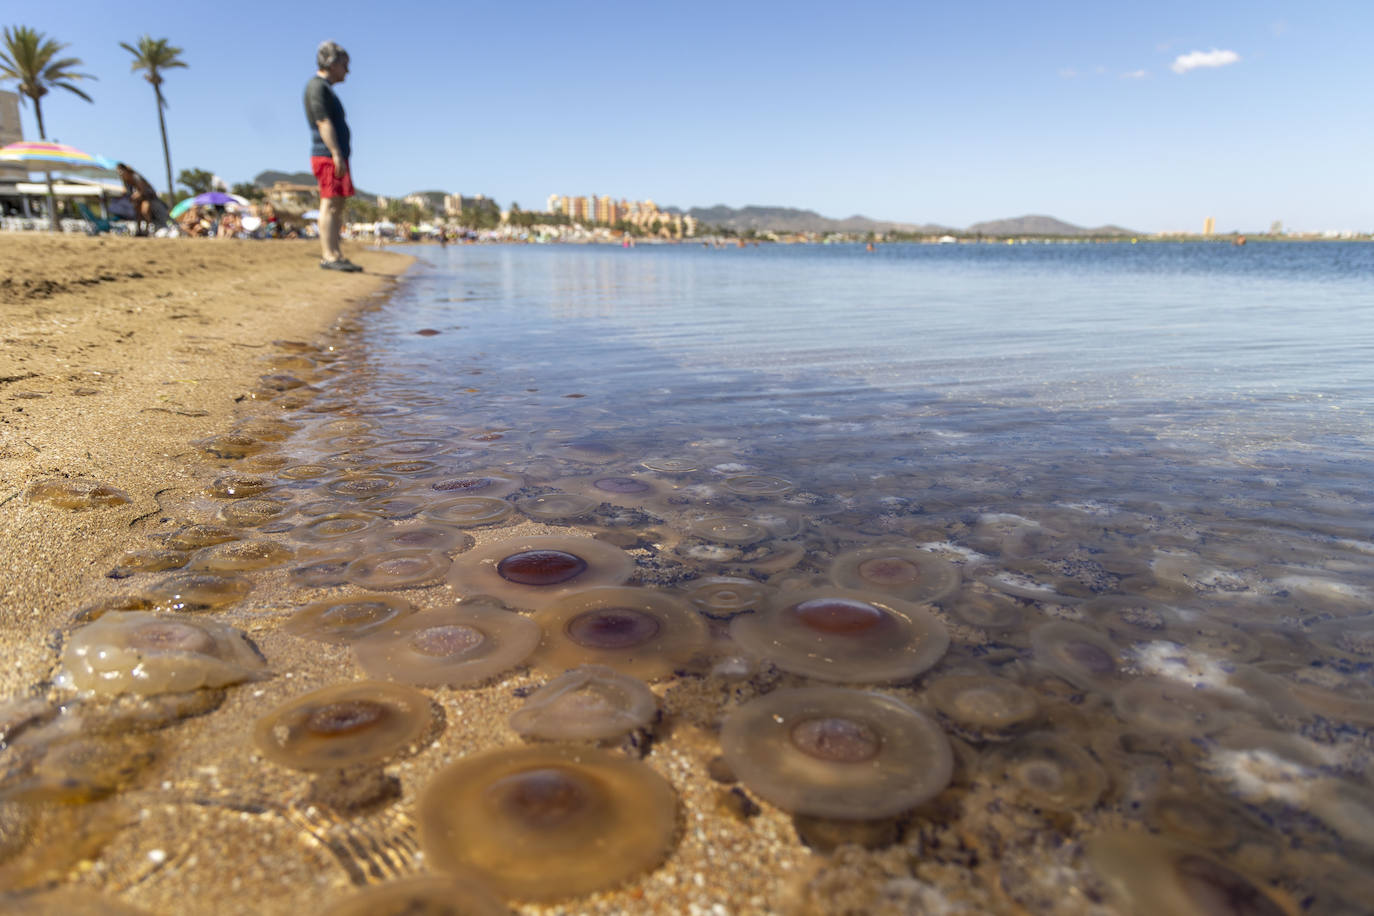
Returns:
point(1134, 75)
point(1068, 73)
point(1194, 59)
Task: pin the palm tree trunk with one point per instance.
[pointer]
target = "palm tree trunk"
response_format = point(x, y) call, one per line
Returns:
point(166, 150)
point(52, 198)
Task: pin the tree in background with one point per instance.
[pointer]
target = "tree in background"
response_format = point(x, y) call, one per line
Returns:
point(249, 190)
point(28, 58)
point(155, 55)
point(359, 210)
point(198, 180)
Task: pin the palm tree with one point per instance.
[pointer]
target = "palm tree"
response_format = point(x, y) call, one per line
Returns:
point(155, 55)
point(28, 57)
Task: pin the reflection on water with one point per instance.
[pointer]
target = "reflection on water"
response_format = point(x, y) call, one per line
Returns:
point(1082, 530)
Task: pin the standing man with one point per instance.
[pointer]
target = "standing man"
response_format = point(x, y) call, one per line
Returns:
point(329, 150)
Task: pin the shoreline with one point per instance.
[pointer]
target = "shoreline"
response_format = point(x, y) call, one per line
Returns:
point(118, 352)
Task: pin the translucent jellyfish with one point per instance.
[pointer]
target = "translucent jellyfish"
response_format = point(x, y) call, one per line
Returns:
point(363, 486)
point(151, 560)
point(346, 620)
point(391, 569)
point(420, 536)
point(843, 635)
point(1047, 772)
point(556, 506)
point(758, 486)
point(193, 537)
point(724, 597)
point(77, 494)
point(982, 708)
point(238, 486)
point(143, 653)
point(548, 822)
point(343, 725)
point(1156, 705)
point(835, 752)
point(237, 556)
point(591, 702)
point(530, 572)
point(470, 511)
point(454, 647)
point(482, 483)
point(252, 512)
point(230, 445)
point(1081, 656)
point(1146, 874)
point(988, 610)
point(902, 572)
point(335, 526)
point(198, 591)
point(637, 631)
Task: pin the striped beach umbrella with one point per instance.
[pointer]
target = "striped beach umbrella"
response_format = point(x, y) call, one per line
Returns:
point(43, 156)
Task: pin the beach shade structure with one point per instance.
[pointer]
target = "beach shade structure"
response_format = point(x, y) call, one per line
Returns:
point(42, 156)
point(210, 199)
point(311, 215)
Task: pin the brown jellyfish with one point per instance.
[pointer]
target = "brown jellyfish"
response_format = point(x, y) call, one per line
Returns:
point(843, 635)
point(192, 537)
point(545, 823)
point(252, 511)
point(1146, 874)
point(345, 620)
point(982, 708)
point(77, 494)
point(1083, 657)
point(422, 896)
point(588, 703)
point(637, 631)
point(530, 572)
point(1046, 772)
point(492, 484)
point(138, 652)
point(902, 572)
point(343, 725)
point(838, 753)
point(456, 647)
point(148, 560)
point(238, 486)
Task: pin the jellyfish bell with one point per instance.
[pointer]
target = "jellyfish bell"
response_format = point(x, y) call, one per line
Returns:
point(590, 702)
point(341, 621)
point(626, 490)
point(843, 635)
point(837, 752)
point(641, 632)
point(902, 572)
point(1080, 655)
point(143, 653)
point(1047, 772)
point(453, 647)
point(549, 822)
point(348, 724)
point(1146, 874)
point(724, 597)
point(983, 708)
point(426, 895)
point(77, 494)
point(530, 572)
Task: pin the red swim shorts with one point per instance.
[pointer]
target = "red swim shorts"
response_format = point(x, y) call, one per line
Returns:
point(331, 185)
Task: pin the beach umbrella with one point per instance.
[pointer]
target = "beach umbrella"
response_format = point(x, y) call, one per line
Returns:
point(210, 199)
point(311, 214)
point(42, 156)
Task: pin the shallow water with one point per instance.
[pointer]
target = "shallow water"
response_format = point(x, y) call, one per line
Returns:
point(1098, 513)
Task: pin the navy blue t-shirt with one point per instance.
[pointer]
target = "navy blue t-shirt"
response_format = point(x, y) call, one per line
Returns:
point(321, 103)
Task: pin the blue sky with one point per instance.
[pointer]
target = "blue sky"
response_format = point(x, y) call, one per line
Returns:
point(948, 113)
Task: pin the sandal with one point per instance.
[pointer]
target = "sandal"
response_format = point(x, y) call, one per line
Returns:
point(341, 264)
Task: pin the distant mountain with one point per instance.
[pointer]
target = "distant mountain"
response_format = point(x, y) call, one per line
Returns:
point(786, 219)
point(1040, 225)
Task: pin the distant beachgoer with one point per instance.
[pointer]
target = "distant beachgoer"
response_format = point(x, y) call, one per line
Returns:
point(141, 195)
point(330, 147)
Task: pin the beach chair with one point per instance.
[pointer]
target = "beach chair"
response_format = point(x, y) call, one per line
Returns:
point(95, 224)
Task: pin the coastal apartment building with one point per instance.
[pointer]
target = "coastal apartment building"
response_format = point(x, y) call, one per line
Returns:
point(607, 211)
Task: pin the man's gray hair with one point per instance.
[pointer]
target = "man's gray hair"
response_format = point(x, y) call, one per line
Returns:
point(327, 53)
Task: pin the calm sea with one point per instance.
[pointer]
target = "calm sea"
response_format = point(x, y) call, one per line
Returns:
point(1149, 373)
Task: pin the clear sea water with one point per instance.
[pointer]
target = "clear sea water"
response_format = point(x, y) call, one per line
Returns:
point(1146, 468)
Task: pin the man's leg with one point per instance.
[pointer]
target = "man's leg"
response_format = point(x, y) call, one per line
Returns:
point(331, 223)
